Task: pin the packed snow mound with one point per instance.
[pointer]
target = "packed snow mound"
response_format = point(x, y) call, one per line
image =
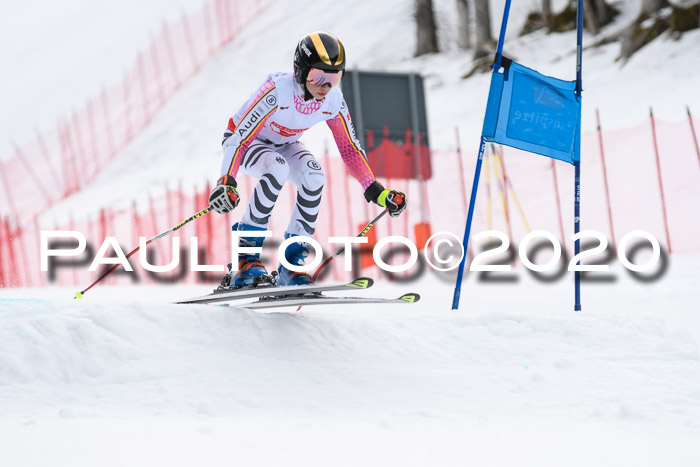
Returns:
point(401, 384)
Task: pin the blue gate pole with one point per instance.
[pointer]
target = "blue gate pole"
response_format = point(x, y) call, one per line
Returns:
point(577, 158)
point(467, 230)
point(501, 37)
point(577, 227)
point(477, 172)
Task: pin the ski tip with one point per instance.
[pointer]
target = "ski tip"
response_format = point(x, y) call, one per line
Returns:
point(362, 283)
point(409, 298)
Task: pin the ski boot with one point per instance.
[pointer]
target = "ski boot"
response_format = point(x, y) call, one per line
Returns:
point(250, 270)
point(295, 254)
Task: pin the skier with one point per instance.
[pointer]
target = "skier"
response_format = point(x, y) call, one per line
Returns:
point(262, 141)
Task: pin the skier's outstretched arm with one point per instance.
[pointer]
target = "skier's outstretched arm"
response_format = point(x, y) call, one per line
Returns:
point(355, 159)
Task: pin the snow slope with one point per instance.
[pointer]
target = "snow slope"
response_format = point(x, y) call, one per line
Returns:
point(516, 377)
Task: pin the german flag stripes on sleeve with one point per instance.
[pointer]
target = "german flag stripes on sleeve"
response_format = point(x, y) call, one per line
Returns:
point(349, 146)
point(246, 125)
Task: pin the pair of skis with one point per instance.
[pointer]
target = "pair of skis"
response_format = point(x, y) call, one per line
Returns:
point(271, 296)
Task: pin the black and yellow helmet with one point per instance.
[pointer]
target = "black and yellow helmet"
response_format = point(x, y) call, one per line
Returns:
point(318, 50)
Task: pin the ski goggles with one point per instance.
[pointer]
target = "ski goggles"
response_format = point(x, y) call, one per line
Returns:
point(319, 77)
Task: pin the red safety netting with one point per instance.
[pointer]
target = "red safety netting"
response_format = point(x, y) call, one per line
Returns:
point(60, 161)
point(633, 200)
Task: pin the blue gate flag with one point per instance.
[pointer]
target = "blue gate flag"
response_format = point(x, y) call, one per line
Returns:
point(536, 113)
point(533, 112)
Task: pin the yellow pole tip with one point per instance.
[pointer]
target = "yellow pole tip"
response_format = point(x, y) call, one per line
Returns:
point(78, 295)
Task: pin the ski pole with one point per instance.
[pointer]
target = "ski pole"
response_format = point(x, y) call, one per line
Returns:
point(364, 232)
point(161, 235)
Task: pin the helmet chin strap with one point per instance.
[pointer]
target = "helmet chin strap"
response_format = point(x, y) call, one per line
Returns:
point(307, 95)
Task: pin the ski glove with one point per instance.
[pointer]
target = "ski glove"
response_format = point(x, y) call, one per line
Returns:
point(394, 201)
point(224, 197)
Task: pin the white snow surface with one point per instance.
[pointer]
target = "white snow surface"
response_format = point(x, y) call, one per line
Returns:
point(514, 378)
